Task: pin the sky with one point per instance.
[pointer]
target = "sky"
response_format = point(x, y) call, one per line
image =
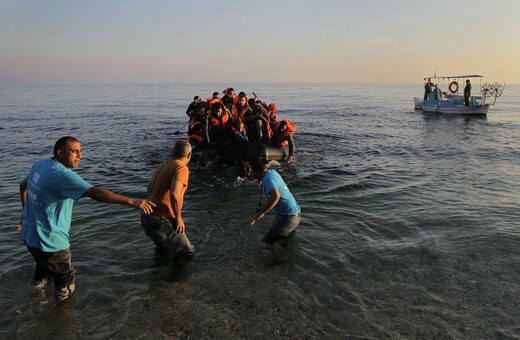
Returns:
point(267, 41)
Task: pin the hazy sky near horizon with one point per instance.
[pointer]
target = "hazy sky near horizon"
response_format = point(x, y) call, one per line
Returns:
point(279, 41)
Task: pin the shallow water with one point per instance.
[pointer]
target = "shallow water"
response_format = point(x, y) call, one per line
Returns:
point(409, 228)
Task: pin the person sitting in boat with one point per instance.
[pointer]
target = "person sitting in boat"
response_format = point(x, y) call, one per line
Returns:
point(238, 132)
point(241, 107)
point(217, 122)
point(197, 133)
point(273, 118)
point(210, 101)
point(229, 95)
point(283, 136)
point(194, 106)
point(428, 87)
point(197, 123)
point(257, 123)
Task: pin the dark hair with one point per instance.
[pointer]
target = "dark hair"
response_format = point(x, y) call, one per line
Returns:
point(242, 94)
point(196, 98)
point(251, 102)
point(215, 108)
point(60, 143)
point(258, 165)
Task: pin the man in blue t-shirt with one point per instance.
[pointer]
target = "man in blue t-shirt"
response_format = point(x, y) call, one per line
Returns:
point(47, 195)
point(279, 198)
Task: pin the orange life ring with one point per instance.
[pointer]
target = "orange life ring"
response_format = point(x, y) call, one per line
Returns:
point(456, 85)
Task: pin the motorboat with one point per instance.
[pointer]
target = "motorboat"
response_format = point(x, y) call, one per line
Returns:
point(451, 101)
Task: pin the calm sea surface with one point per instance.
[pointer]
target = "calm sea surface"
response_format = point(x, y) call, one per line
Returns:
point(410, 224)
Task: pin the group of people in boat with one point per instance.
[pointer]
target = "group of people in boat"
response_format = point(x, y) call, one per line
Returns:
point(237, 119)
point(430, 87)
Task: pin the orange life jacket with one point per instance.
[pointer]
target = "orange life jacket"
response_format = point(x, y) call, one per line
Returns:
point(241, 114)
point(267, 132)
point(219, 123)
point(234, 112)
point(212, 102)
point(280, 137)
point(196, 133)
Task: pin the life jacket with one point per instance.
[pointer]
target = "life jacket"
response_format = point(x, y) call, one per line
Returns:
point(272, 108)
point(234, 112)
point(219, 123)
point(280, 137)
point(242, 114)
point(212, 102)
point(196, 133)
point(273, 118)
point(267, 132)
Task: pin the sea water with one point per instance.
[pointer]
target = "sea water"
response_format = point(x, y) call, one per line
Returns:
point(409, 221)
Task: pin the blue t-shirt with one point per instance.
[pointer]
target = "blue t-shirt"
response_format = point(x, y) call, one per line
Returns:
point(47, 214)
point(287, 204)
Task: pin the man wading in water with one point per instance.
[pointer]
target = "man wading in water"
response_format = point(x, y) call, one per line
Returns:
point(279, 199)
point(47, 195)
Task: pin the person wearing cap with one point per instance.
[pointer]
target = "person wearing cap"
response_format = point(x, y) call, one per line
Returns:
point(467, 93)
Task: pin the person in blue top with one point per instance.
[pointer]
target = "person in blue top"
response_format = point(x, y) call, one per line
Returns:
point(279, 199)
point(47, 195)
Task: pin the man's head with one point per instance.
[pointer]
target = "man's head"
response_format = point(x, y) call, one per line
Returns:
point(258, 168)
point(217, 110)
point(467, 81)
point(242, 101)
point(216, 95)
point(182, 149)
point(283, 126)
point(239, 125)
point(67, 151)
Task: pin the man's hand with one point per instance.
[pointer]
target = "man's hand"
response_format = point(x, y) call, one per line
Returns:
point(256, 219)
point(145, 205)
point(180, 227)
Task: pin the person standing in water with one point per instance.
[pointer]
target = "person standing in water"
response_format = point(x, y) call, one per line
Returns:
point(279, 199)
point(47, 195)
point(165, 226)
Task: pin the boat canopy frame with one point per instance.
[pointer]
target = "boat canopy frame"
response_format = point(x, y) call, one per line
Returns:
point(488, 90)
point(456, 78)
